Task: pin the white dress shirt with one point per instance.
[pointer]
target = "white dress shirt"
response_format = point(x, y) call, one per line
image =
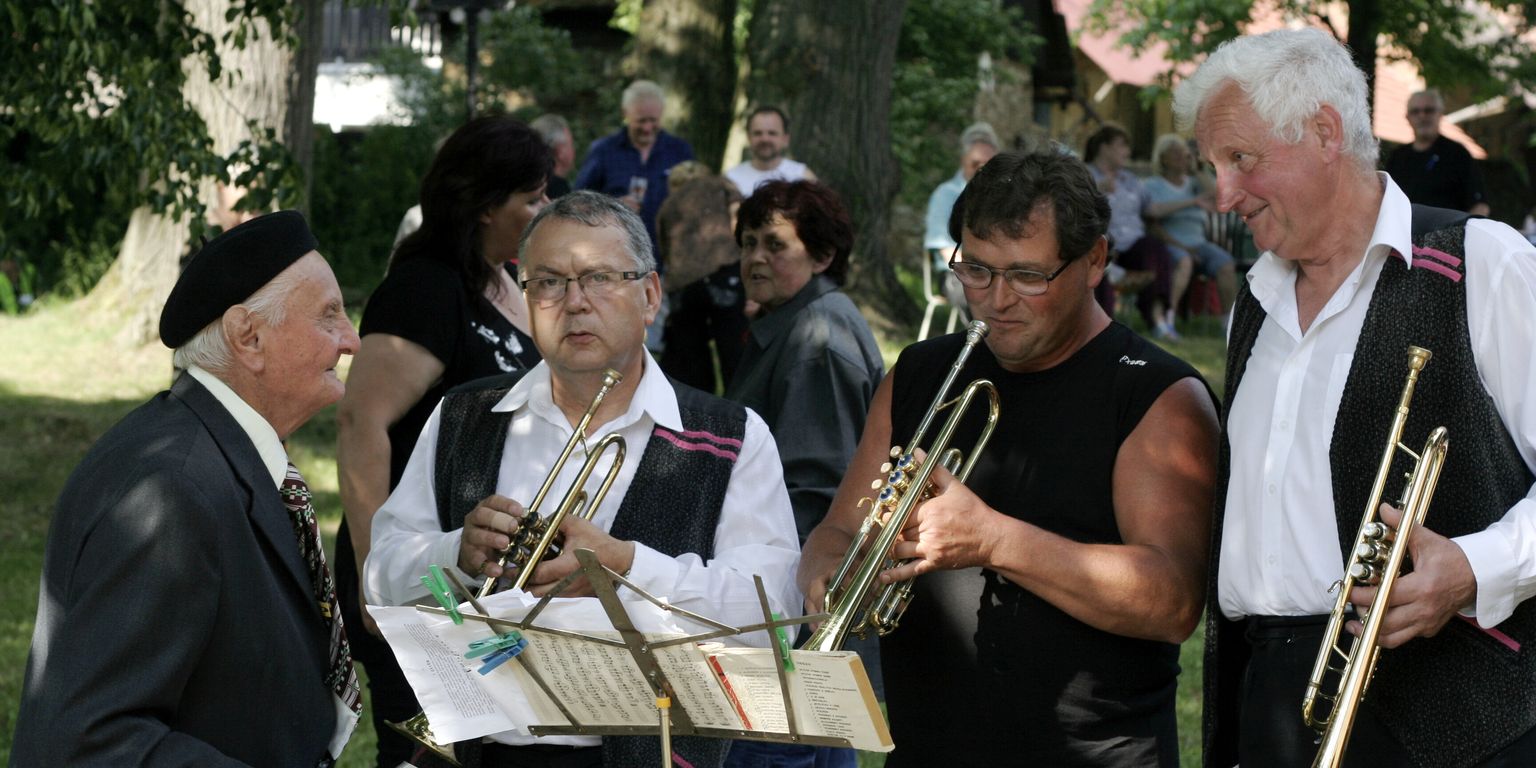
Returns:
point(1279, 549)
point(755, 533)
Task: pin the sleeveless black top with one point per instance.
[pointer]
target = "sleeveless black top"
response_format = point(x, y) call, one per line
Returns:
point(982, 672)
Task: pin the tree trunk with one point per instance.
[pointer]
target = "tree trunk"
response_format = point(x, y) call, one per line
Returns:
point(253, 88)
point(687, 46)
point(830, 65)
point(1364, 26)
point(299, 126)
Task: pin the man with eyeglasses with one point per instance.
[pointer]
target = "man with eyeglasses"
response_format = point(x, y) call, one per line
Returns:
point(698, 506)
point(1435, 170)
point(1055, 585)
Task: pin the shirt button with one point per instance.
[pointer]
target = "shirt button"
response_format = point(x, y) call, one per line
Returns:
point(1271, 489)
point(1271, 559)
point(1284, 425)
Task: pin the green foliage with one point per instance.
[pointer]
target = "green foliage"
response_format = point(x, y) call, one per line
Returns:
point(364, 182)
point(935, 83)
point(538, 67)
point(1475, 46)
point(94, 124)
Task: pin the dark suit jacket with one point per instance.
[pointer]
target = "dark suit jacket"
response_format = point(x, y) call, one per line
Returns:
point(175, 624)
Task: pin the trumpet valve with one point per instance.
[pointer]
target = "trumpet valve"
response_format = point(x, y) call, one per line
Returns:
point(1370, 552)
point(1364, 573)
point(1375, 531)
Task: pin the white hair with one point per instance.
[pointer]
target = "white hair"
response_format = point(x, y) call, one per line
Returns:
point(979, 133)
point(209, 348)
point(1287, 75)
point(1163, 143)
point(641, 90)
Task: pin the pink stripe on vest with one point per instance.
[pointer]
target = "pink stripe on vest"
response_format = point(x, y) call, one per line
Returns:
point(1441, 256)
point(713, 438)
point(1505, 640)
point(693, 446)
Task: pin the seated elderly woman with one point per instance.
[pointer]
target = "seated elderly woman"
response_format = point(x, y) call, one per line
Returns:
point(1178, 202)
point(810, 367)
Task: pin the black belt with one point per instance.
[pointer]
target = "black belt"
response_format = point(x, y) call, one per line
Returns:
point(1284, 627)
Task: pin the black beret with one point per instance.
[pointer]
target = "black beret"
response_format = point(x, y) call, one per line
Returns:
point(229, 269)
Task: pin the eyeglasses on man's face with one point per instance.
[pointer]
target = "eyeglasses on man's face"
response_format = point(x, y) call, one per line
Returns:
point(1423, 110)
point(550, 290)
point(1024, 282)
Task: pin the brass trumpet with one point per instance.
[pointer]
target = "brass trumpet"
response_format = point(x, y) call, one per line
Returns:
point(1377, 560)
point(904, 487)
point(535, 536)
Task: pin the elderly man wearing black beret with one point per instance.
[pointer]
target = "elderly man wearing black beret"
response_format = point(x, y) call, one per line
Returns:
point(186, 613)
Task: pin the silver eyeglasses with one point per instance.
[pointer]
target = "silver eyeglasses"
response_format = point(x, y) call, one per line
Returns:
point(548, 290)
point(1024, 282)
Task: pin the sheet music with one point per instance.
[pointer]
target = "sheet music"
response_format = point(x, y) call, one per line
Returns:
point(457, 704)
point(831, 693)
point(696, 687)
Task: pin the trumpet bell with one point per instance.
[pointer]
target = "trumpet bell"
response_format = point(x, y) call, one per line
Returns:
point(418, 730)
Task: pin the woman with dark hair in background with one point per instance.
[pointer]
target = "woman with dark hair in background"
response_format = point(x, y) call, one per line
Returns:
point(449, 310)
point(1107, 153)
point(810, 369)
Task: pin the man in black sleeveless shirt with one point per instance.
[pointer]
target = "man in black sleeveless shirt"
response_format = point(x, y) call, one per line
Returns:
point(697, 508)
point(1352, 274)
point(1054, 586)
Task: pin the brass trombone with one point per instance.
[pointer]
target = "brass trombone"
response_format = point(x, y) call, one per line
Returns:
point(535, 536)
point(904, 487)
point(1377, 560)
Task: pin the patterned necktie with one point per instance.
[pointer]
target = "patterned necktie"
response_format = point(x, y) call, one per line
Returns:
point(341, 678)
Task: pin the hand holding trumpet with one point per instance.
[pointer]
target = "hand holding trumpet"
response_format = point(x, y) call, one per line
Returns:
point(489, 529)
point(1441, 584)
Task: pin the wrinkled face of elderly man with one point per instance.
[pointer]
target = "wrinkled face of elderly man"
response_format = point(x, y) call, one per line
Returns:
point(1276, 187)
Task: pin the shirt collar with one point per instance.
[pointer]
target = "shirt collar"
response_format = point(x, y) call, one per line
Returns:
point(262, 435)
point(772, 324)
point(653, 397)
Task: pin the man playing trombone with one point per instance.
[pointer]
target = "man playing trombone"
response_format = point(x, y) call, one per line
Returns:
point(698, 505)
point(1055, 584)
point(1351, 276)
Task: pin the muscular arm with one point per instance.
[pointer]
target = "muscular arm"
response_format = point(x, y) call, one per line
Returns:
point(1153, 585)
point(389, 375)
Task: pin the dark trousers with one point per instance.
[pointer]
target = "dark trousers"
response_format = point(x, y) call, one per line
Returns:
point(707, 310)
point(390, 697)
point(536, 756)
point(771, 754)
point(1273, 734)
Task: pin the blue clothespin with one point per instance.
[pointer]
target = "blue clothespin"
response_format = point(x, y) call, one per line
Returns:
point(502, 655)
point(783, 643)
point(489, 645)
point(438, 585)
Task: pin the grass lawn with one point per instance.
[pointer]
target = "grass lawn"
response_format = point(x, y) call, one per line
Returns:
point(68, 377)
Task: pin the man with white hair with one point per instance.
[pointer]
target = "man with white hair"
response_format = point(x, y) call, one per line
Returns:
point(187, 616)
point(633, 164)
point(978, 144)
point(1350, 276)
point(556, 132)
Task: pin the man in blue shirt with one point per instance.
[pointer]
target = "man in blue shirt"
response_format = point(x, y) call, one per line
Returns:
point(633, 163)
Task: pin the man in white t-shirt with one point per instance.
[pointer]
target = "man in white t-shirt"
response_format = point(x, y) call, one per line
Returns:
point(768, 135)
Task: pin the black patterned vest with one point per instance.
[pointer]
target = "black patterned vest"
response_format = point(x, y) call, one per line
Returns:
point(672, 505)
point(1458, 697)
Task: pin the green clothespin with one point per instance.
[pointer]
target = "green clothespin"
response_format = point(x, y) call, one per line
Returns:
point(438, 585)
point(783, 643)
